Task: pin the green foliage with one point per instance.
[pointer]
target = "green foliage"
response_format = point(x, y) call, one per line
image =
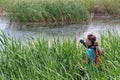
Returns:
point(112, 6)
point(108, 7)
point(59, 11)
point(61, 60)
point(48, 11)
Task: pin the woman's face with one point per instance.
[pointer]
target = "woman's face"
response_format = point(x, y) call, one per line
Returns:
point(88, 42)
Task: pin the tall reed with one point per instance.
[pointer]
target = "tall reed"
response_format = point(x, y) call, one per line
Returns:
point(61, 60)
point(48, 11)
point(59, 11)
point(102, 7)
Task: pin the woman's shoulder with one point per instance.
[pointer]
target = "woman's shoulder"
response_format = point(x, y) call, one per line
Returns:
point(91, 50)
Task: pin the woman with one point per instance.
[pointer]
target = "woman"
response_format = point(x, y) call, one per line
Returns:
point(93, 53)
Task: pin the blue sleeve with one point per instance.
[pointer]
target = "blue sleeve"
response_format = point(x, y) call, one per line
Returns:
point(91, 54)
point(88, 52)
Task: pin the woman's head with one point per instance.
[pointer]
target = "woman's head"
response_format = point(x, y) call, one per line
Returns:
point(90, 39)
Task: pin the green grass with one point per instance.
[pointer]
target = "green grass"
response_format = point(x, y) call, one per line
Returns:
point(102, 7)
point(112, 7)
point(47, 11)
point(59, 11)
point(37, 60)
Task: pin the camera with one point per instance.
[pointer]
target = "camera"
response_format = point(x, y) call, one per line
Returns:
point(82, 42)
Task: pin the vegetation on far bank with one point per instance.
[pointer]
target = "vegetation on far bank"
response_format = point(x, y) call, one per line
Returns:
point(102, 7)
point(37, 60)
point(48, 11)
point(59, 11)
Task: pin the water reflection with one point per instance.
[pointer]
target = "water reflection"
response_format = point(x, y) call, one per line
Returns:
point(21, 31)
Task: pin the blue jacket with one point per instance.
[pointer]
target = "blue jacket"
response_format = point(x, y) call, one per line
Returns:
point(91, 54)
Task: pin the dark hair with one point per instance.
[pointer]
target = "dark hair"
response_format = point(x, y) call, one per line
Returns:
point(92, 38)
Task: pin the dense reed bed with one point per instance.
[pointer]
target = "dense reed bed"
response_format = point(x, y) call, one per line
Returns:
point(103, 7)
point(59, 11)
point(37, 60)
point(47, 11)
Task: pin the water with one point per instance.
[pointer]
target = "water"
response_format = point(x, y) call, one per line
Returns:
point(78, 31)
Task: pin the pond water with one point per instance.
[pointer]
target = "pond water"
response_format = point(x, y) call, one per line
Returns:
point(22, 31)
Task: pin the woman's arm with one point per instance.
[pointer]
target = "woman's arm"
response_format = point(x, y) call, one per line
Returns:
point(87, 59)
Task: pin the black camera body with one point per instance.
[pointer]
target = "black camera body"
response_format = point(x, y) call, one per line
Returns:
point(82, 42)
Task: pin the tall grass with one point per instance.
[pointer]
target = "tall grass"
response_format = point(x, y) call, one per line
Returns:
point(47, 11)
point(59, 11)
point(103, 7)
point(112, 7)
point(61, 61)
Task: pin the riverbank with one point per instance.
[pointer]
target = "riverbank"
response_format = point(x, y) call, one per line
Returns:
point(60, 12)
point(3, 14)
point(48, 11)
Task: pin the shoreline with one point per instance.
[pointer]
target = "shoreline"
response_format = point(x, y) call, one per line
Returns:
point(3, 14)
point(44, 23)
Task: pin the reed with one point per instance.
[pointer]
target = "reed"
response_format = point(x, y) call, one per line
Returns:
point(103, 7)
point(61, 60)
point(59, 11)
point(47, 11)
